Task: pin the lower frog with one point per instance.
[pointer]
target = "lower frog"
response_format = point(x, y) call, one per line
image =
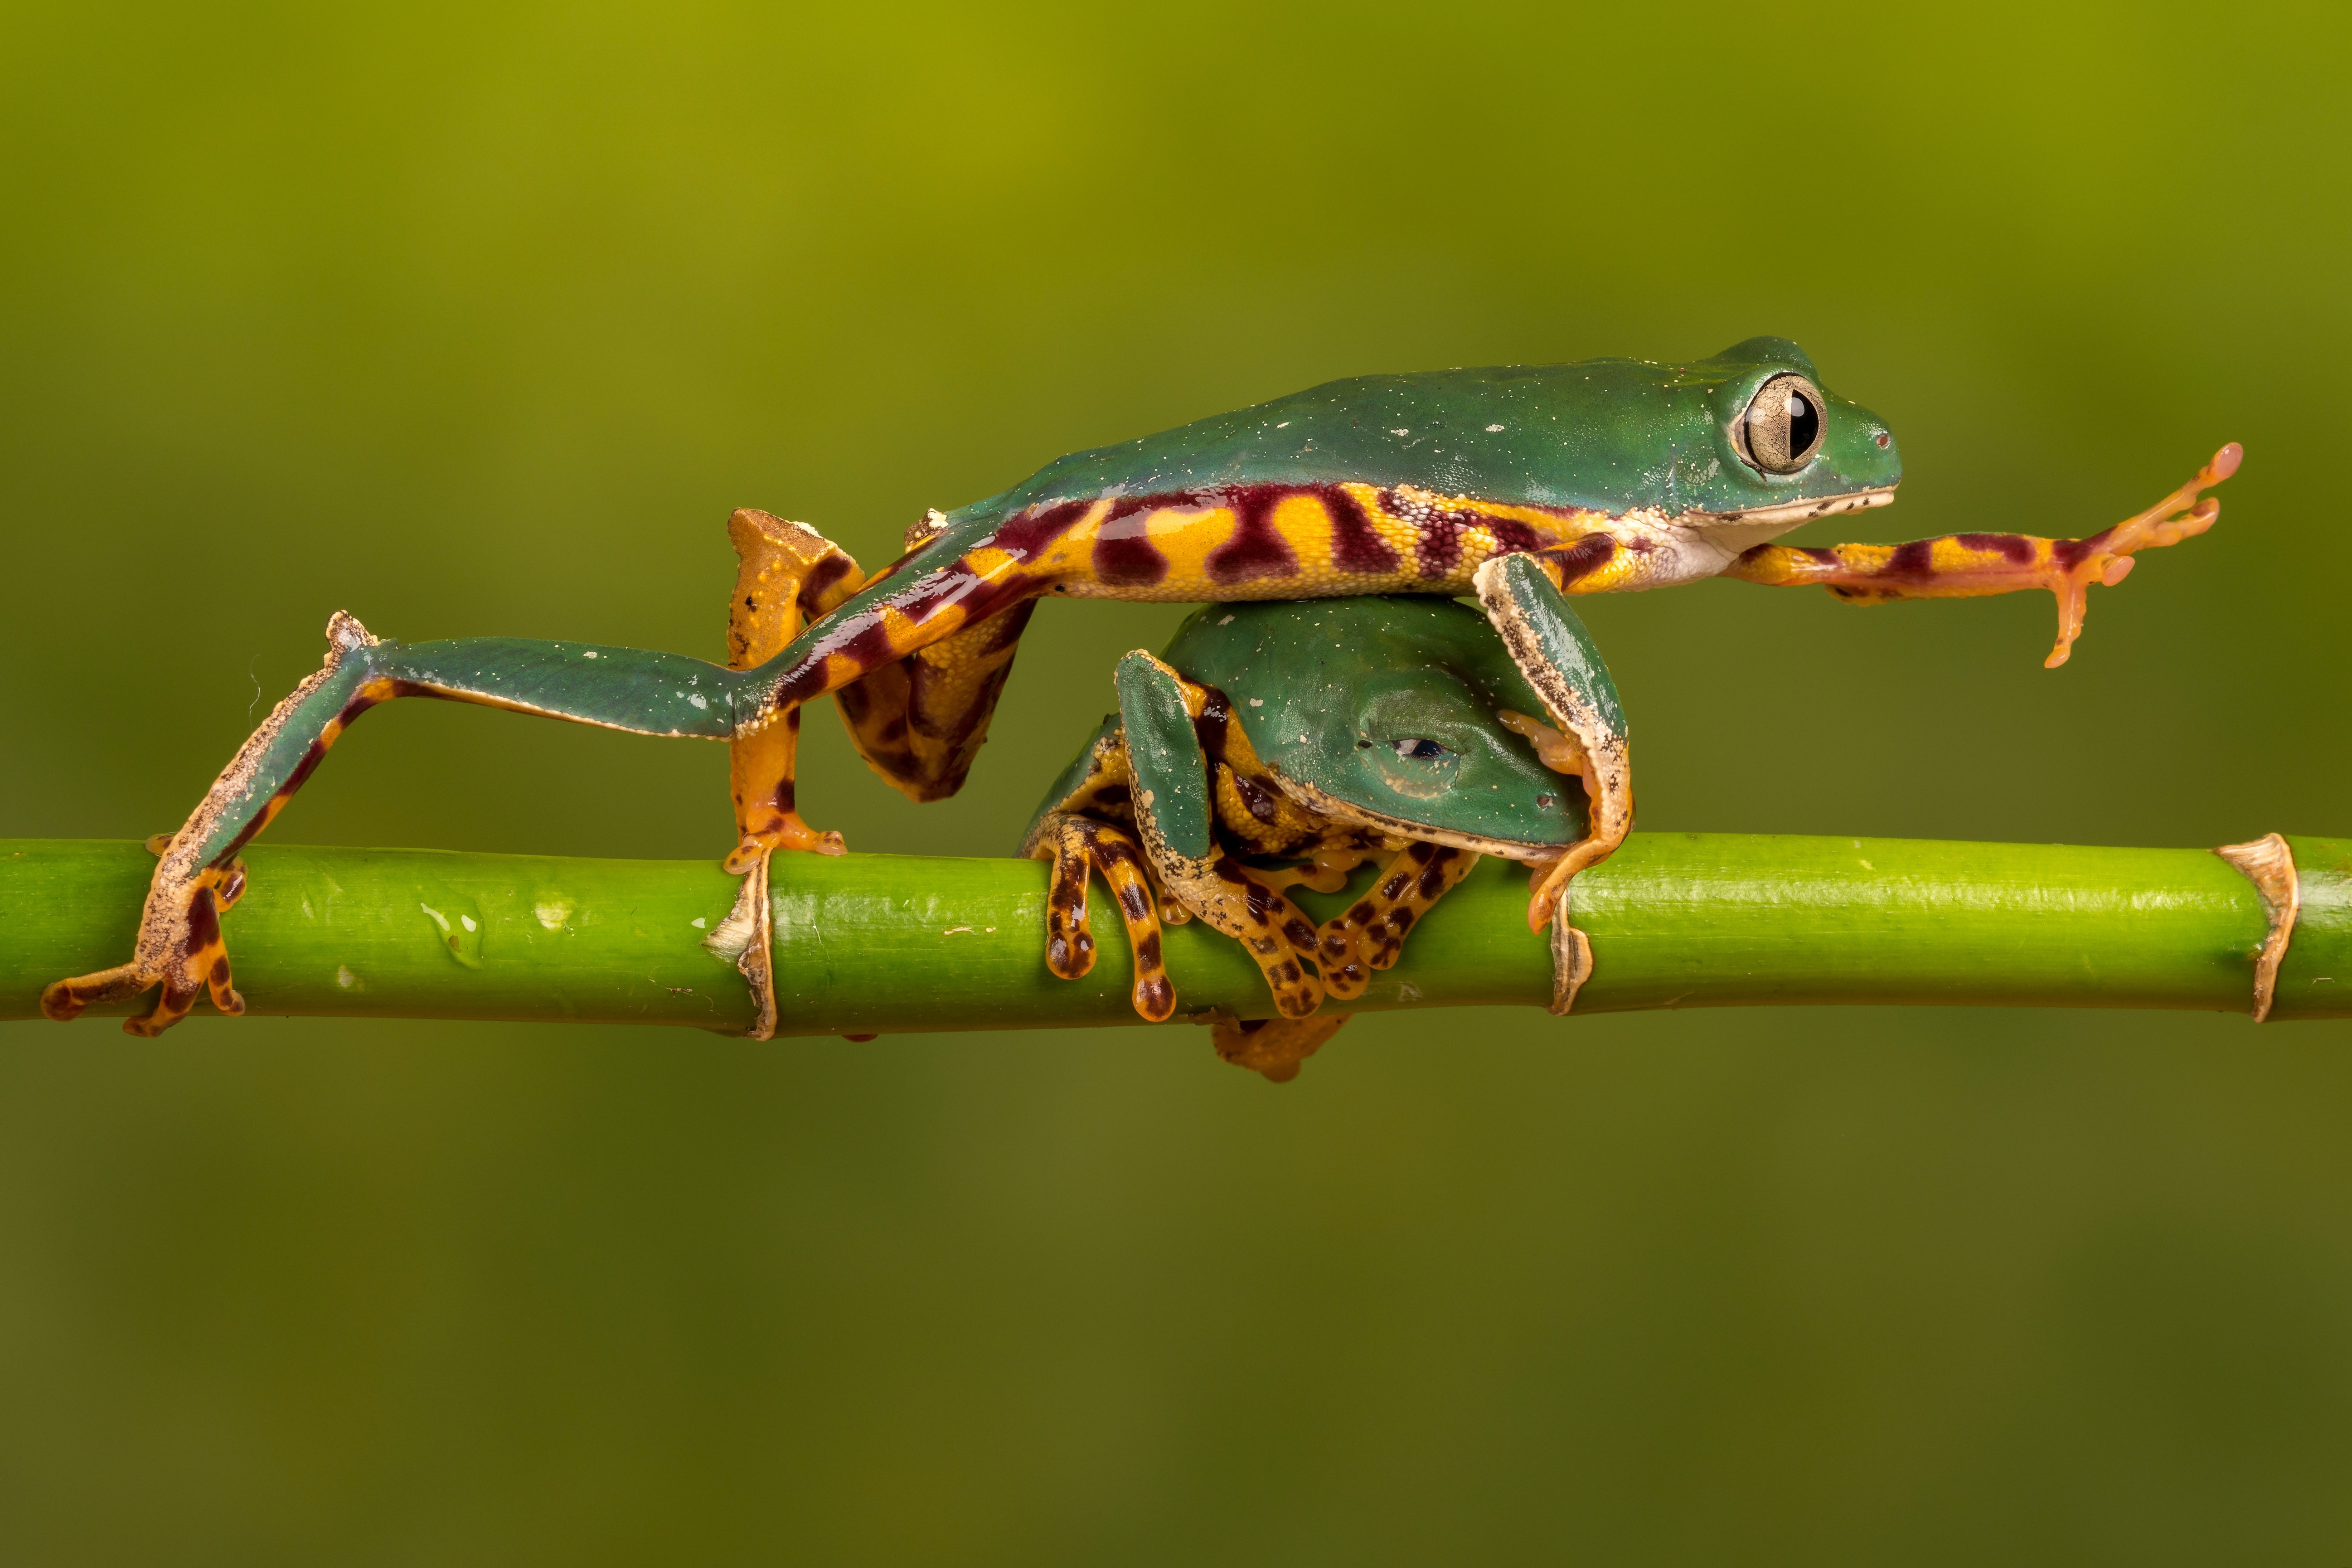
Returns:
point(1278, 744)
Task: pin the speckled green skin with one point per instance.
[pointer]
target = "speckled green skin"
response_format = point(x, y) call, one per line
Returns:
point(1611, 434)
point(1325, 687)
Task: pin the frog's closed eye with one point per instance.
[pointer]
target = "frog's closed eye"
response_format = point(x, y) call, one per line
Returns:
point(1421, 748)
point(1783, 426)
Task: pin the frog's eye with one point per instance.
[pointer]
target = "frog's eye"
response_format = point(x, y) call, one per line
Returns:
point(1419, 749)
point(1783, 425)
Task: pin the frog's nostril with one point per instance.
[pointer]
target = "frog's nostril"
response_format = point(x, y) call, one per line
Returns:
point(1546, 802)
point(1883, 438)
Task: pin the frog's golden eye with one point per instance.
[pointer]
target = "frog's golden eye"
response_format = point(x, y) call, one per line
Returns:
point(1783, 425)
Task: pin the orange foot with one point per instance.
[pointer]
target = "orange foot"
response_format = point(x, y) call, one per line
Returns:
point(180, 947)
point(2106, 557)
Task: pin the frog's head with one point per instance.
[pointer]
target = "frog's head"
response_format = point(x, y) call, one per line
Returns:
point(1383, 711)
point(1780, 447)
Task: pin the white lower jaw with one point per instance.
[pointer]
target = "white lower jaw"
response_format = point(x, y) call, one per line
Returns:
point(1750, 526)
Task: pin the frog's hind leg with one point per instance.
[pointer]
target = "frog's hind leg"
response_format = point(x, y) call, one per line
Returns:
point(1075, 846)
point(1273, 1046)
point(1371, 935)
point(920, 722)
point(1552, 649)
point(788, 574)
point(179, 945)
point(1967, 565)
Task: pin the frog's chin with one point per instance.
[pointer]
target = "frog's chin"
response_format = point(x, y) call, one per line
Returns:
point(1325, 803)
point(1753, 525)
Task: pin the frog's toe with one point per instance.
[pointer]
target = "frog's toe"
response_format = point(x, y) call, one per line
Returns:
point(65, 1000)
point(786, 831)
point(1273, 1046)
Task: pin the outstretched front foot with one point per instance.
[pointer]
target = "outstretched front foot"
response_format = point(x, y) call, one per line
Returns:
point(180, 947)
point(1967, 565)
point(2106, 557)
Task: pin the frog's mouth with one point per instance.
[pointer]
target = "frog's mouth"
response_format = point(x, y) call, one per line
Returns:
point(1788, 514)
point(1324, 803)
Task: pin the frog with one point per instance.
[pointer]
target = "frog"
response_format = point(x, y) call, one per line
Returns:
point(1604, 476)
point(1278, 743)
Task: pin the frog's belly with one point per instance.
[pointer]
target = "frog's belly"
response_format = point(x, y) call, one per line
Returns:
point(1281, 542)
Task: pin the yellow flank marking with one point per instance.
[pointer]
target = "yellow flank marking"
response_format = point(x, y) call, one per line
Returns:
point(989, 563)
point(1305, 525)
point(1187, 536)
point(1072, 554)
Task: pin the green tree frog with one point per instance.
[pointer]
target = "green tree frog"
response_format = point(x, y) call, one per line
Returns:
point(1284, 742)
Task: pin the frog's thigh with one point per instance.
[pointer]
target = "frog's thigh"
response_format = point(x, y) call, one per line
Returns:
point(1273, 1046)
point(1552, 649)
point(1371, 935)
point(920, 721)
point(1174, 818)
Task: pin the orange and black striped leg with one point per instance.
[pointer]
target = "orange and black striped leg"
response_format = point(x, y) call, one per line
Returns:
point(920, 722)
point(1968, 566)
point(789, 572)
point(1372, 933)
point(1073, 845)
point(1273, 1046)
point(1272, 930)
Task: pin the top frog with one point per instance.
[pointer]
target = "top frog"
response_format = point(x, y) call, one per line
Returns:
point(1607, 474)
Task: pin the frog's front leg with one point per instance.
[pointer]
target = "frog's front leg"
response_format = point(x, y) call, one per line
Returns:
point(180, 945)
point(1552, 649)
point(1966, 566)
point(1175, 808)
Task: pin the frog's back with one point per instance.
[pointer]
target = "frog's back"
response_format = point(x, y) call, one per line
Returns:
point(1535, 435)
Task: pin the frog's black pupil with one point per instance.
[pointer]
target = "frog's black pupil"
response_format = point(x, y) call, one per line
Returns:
point(1418, 747)
point(1804, 423)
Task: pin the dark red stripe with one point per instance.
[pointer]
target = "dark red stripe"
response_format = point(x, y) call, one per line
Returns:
point(1257, 549)
point(1125, 556)
point(1355, 546)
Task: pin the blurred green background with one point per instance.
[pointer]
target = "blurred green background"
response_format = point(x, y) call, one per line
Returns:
point(479, 318)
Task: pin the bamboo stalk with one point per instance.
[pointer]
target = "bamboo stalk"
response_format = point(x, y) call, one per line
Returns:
point(886, 944)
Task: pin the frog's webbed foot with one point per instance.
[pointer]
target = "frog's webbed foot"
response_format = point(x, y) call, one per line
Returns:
point(1968, 566)
point(1074, 847)
point(180, 947)
point(1273, 1046)
point(1371, 935)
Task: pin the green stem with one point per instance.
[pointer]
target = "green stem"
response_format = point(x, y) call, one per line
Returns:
point(886, 945)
